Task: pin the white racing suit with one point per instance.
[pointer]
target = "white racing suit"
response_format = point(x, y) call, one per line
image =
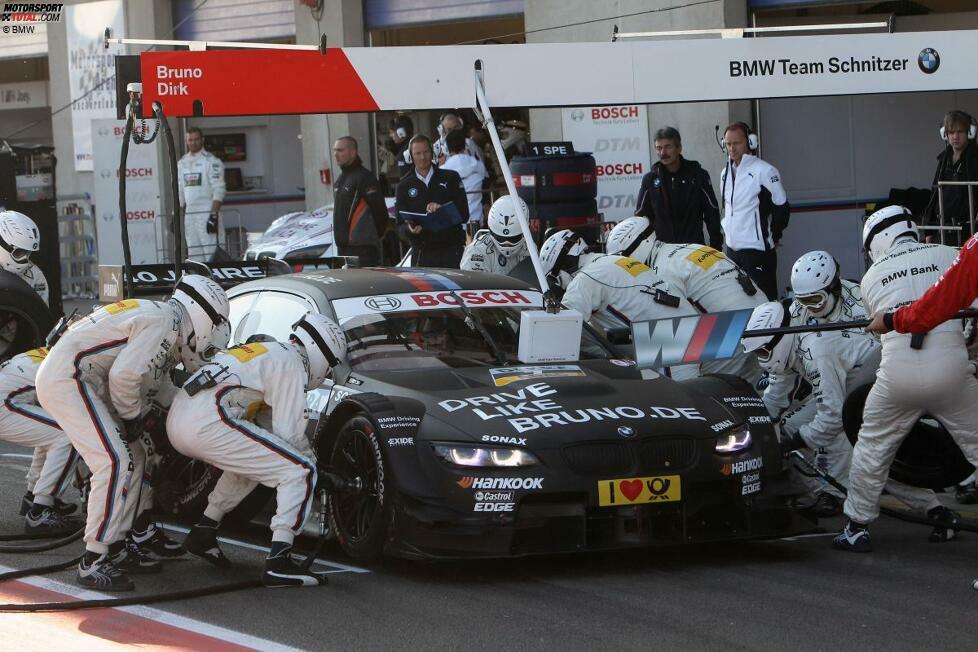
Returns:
point(482, 255)
point(935, 379)
point(201, 181)
point(712, 283)
point(217, 425)
point(626, 290)
point(836, 363)
point(25, 423)
point(107, 367)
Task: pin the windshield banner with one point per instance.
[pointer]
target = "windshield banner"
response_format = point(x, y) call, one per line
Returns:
point(347, 309)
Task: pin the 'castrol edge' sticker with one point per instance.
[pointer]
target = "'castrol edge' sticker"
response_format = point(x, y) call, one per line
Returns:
point(347, 309)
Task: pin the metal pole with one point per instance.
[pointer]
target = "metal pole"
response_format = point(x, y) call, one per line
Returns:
point(834, 326)
point(940, 208)
point(490, 124)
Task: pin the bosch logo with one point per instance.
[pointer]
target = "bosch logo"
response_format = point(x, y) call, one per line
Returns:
point(929, 61)
point(577, 115)
point(103, 131)
point(105, 174)
point(613, 169)
point(627, 432)
point(137, 172)
point(614, 112)
point(383, 304)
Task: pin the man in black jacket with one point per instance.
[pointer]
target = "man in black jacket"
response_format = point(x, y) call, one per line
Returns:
point(359, 212)
point(958, 162)
point(677, 195)
point(427, 189)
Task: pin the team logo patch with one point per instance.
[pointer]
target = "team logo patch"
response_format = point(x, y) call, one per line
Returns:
point(121, 306)
point(632, 266)
point(247, 352)
point(412, 192)
point(192, 179)
point(705, 257)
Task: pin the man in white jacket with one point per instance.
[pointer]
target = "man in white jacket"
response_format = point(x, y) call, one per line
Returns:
point(472, 170)
point(201, 179)
point(755, 208)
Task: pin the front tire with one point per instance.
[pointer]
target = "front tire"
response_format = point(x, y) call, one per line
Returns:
point(361, 519)
point(185, 483)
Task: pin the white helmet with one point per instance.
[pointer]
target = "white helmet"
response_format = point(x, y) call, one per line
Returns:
point(207, 305)
point(505, 226)
point(633, 238)
point(19, 239)
point(324, 343)
point(560, 256)
point(884, 227)
point(773, 351)
point(815, 282)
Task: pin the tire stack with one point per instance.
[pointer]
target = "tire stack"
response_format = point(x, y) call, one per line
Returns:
point(561, 192)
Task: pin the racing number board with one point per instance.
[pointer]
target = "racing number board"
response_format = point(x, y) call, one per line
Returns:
point(635, 491)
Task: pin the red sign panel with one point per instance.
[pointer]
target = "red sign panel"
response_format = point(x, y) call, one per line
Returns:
point(252, 82)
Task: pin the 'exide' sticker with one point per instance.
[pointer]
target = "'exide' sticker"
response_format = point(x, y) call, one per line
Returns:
point(349, 308)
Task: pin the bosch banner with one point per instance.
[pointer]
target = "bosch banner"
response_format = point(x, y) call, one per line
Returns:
point(618, 136)
point(257, 82)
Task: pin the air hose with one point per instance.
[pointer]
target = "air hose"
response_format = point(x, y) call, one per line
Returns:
point(892, 513)
point(39, 547)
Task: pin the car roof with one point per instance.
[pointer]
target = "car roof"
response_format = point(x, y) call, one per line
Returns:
point(335, 284)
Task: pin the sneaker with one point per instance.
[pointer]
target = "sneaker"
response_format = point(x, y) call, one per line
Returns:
point(155, 543)
point(63, 508)
point(101, 574)
point(827, 506)
point(854, 538)
point(202, 542)
point(966, 494)
point(134, 560)
point(48, 520)
point(941, 534)
point(282, 571)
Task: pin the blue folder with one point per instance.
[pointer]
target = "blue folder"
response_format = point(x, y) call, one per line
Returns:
point(444, 218)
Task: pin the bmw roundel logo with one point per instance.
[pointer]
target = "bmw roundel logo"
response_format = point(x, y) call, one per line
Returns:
point(505, 231)
point(929, 60)
point(383, 304)
point(625, 431)
point(577, 115)
point(657, 182)
point(412, 192)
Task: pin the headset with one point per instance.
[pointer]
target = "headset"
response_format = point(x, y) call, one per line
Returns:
point(441, 118)
point(961, 115)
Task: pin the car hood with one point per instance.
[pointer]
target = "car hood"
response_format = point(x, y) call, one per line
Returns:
point(551, 405)
point(296, 231)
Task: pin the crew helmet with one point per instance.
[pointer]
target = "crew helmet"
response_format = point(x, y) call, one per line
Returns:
point(773, 351)
point(504, 225)
point(633, 237)
point(19, 238)
point(560, 256)
point(816, 283)
point(884, 227)
point(324, 343)
point(207, 305)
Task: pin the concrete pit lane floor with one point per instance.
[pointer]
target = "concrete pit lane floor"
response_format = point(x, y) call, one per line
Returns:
point(787, 594)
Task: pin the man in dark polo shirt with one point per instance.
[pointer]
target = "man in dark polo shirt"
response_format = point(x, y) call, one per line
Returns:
point(428, 189)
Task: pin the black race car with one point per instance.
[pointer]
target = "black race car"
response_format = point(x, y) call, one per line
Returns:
point(459, 450)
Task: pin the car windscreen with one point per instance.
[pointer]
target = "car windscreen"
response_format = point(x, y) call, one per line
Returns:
point(437, 339)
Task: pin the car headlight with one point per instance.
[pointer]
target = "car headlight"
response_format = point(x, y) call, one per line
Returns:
point(484, 456)
point(734, 440)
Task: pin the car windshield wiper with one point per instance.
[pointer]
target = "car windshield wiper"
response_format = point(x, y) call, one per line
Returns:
point(480, 327)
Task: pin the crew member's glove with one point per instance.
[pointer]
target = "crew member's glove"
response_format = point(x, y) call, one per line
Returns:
point(132, 429)
point(791, 441)
point(212, 223)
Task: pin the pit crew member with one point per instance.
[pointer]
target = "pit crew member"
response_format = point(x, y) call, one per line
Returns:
point(918, 374)
point(501, 247)
point(212, 420)
point(98, 383)
point(705, 277)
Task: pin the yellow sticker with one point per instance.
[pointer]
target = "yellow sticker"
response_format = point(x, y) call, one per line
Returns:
point(247, 352)
point(636, 491)
point(122, 306)
point(705, 257)
point(37, 355)
point(632, 266)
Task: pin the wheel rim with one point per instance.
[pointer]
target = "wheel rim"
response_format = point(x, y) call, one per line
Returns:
point(355, 511)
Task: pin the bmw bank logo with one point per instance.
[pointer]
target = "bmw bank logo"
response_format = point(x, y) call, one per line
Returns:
point(929, 60)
